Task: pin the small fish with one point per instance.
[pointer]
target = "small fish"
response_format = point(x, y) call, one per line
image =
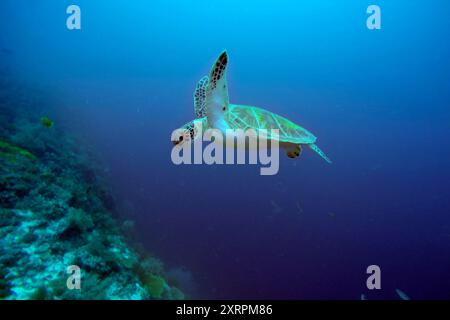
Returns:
point(299, 208)
point(275, 207)
point(375, 167)
point(331, 214)
point(402, 295)
point(281, 186)
point(46, 122)
point(363, 296)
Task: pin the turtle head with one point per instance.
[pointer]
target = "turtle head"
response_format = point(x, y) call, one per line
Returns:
point(189, 132)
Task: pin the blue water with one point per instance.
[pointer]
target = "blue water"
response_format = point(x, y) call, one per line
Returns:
point(378, 100)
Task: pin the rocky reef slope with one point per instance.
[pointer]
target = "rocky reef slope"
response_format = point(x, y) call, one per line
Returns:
point(56, 211)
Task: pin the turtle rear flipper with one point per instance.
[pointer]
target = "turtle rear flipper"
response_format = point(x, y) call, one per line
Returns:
point(316, 149)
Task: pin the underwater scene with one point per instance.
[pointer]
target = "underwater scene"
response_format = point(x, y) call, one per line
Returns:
point(118, 179)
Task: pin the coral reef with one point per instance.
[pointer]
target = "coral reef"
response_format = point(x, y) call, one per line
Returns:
point(57, 211)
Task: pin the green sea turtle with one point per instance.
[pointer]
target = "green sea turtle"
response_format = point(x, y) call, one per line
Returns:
point(213, 110)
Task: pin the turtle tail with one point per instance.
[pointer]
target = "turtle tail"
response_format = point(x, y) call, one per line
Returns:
point(319, 152)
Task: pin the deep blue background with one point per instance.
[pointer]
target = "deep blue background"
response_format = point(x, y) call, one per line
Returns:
point(377, 100)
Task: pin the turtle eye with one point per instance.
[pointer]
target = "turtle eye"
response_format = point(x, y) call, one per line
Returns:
point(181, 138)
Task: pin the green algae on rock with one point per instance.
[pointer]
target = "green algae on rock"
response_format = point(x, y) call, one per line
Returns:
point(155, 285)
point(46, 122)
point(10, 151)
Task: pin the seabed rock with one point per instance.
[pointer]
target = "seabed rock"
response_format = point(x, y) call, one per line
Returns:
point(56, 211)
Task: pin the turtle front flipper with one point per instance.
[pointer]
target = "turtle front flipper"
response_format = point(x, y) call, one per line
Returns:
point(200, 97)
point(293, 151)
point(217, 93)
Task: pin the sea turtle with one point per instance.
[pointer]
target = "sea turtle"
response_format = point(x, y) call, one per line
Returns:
point(213, 110)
